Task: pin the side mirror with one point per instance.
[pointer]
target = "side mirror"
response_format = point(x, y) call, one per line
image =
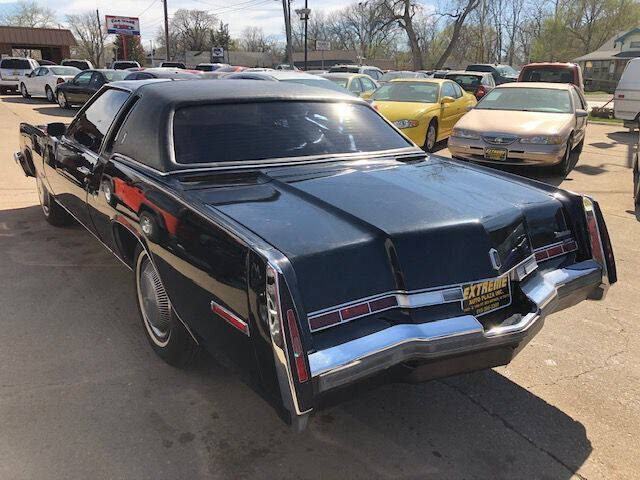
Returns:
point(581, 113)
point(56, 129)
point(84, 139)
point(446, 100)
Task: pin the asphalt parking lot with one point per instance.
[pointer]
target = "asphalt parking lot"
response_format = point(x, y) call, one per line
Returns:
point(82, 395)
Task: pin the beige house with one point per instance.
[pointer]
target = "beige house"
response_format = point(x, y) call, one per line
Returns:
point(602, 68)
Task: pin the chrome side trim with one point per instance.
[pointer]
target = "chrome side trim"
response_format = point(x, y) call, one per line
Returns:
point(550, 291)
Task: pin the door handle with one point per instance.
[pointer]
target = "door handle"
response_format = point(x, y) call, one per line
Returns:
point(84, 171)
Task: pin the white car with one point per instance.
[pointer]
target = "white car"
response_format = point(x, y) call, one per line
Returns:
point(626, 100)
point(12, 69)
point(42, 81)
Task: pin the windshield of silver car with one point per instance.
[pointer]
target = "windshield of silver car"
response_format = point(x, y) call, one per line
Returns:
point(270, 130)
point(527, 100)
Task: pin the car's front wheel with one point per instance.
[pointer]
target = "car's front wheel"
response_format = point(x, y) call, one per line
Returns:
point(564, 167)
point(23, 91)
point(53, 212)
point(636, 181)
point(50, 96)
point(168, 337)
point(62, 100)
point(431, 137)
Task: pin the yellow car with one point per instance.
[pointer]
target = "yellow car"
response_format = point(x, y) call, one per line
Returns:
point(425, 110)
point(358, 84)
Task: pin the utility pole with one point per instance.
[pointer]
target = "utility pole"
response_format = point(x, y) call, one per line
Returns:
point(304, 16)
point(166, 32)
point(151, 47)
point(287, 26)
point(101, 52)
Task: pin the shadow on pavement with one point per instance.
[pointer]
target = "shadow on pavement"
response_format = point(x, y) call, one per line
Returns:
point(46, 108)
point(106, 392)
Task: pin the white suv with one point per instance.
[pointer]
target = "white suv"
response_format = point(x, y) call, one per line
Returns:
point(373, 72)
point(12, 69)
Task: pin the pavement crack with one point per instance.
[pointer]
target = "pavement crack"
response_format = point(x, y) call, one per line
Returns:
point(513, 429)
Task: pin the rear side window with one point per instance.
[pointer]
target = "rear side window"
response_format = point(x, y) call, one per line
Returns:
point(548, 74)
point(95, 120)
point(218, 133)
point(448, 90)
point(15, 64)
point(467, 81)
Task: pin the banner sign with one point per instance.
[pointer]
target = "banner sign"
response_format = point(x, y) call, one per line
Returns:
point(122, 25)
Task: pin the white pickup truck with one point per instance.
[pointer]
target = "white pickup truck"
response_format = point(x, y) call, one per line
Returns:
point(626, 100)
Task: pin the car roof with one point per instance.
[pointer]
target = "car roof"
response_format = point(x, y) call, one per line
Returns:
point(554, 86)
point(551, 64)
point(228, 91)
point(287, 74)
point(467, 72)
point(343, 75)
point(423, 80)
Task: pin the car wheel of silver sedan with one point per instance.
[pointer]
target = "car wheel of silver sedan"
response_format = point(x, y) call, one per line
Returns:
point(23, 91)
point(564, 167)
point(636, 181)
point(50, 96)
point(168, 337)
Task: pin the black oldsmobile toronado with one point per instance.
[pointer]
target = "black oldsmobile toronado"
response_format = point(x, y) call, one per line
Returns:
point(297, 233)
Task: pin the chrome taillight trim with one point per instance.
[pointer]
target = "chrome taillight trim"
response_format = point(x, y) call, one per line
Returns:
point(411, 299)
point(588, 204)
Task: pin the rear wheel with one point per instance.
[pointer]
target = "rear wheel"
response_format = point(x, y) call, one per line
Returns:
point(23, 91)
point(3, 91)
point(166, 334)
point(431, 137)
point(50, 96)
point(53, 212)
point(62, 100)
point(636, 181)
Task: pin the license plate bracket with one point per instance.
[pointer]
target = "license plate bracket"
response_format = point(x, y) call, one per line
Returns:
point(495, 153)
point(485, 296)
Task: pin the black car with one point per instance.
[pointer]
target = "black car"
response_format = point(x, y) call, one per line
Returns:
point(295, 232)
point(478, 83)
point(84, 85)
point(79, 64)
point(162, 72)
point(501, 73)
point(173, 65)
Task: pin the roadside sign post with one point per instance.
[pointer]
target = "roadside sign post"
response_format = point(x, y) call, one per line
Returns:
point(125, 26)
point(217, 52)
point(322, 46)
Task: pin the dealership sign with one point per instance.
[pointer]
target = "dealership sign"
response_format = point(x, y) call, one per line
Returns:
point(123, 25)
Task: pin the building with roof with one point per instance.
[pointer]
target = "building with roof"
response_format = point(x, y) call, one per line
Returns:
point(51, 43)
point(603, 67)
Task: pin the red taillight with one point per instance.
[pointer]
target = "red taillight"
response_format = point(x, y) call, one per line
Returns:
point(594, 237)
point(296, 345)
point(59, 80)
point(481, 92)
point(620, 96)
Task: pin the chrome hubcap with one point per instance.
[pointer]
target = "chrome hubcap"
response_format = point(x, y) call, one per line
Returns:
point(431, 137)
point(23, 89)
point(61, 100)
point(49, 94)
point(153, 301)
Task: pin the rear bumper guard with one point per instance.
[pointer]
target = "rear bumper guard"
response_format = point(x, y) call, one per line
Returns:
point(550, 291)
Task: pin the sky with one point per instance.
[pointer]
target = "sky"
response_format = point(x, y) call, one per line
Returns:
point(237, 13)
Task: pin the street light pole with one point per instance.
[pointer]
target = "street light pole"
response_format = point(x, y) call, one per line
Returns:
point(166, 31)
point(306, 19)
point(287, 27)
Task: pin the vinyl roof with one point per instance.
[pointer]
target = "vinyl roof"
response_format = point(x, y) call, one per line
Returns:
point(36, 36)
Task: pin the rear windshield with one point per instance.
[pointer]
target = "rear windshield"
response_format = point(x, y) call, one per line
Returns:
point(422, 92)
point(125, 65)
point(391, 75)
point(270, 130)
point(527, 100)
point(115, 75)
point(506, 71)
point(344, 69)
point(547, 74)
point(16, 64)
point(480, 68)
point(206, 68)
point(82, 65)
point(465, 81)
point(69, 71)
point(319, 83)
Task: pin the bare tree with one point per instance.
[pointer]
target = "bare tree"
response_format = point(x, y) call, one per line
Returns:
point(30, 14)
point(189, 30)
point(253, 39)
point(89, 35)
point(459, 16)
point(403, 12)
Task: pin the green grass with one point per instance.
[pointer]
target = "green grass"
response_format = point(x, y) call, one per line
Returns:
point(611, 121)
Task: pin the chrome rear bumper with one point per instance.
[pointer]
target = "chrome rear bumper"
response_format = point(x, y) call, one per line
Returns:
point(550, 291)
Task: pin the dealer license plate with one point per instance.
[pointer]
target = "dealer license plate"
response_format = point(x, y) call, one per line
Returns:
point(495, 153)
point(486, 296)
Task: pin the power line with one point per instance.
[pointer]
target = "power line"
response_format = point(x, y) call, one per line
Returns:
point(145, 10)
